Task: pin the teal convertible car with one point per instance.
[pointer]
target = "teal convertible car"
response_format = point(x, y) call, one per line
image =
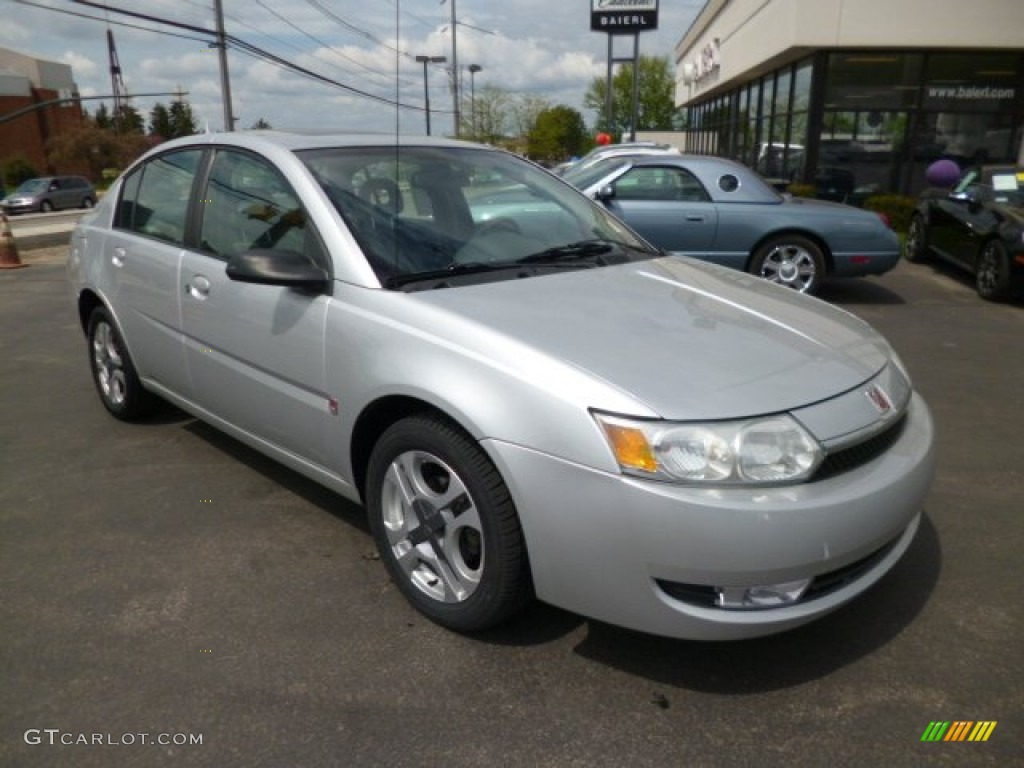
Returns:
point(715, 209)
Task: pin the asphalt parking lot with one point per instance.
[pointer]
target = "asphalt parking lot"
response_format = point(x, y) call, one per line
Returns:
point(162, 582)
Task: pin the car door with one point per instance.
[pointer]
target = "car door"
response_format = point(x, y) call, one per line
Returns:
point(668, 206)
point(143, 259)
point(255, 353)
point(66, 193)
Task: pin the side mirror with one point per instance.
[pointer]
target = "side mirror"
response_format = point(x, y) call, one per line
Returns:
point(267, 266)
point(605, 193)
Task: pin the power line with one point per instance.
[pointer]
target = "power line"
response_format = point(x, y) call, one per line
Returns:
point(358, 30)
point(242, 45)
point(327, 45)
point(117, 23)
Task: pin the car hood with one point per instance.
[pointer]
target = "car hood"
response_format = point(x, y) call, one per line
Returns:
point(687, 339)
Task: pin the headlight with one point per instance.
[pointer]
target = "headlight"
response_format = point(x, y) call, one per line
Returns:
point(760, 451)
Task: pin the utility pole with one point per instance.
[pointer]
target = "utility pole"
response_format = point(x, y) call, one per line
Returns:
point(455, 74)
point(225, 81)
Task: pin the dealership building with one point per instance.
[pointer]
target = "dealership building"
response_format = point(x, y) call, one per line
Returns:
point(855, 96)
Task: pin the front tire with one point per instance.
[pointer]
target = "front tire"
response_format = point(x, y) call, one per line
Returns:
point(792, 261)
point(992, 272)
point(915, 250)
point(113, 372)
point(445, 525)
point(46, 206)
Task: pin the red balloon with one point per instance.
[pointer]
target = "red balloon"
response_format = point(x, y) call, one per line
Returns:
point(603, 139)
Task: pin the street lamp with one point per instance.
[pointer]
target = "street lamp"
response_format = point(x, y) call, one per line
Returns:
point(473, 69)
point(424, 60)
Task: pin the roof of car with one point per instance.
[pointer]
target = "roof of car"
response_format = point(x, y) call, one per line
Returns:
point(299, 141)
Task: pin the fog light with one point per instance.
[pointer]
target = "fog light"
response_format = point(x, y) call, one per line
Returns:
point(762, 596)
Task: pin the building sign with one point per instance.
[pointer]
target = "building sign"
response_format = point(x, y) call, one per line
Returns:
point(623, 16)
point(707, 61)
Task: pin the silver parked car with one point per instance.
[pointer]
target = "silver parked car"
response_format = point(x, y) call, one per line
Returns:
point(50, 193)
point(534, 403)
point(715, 209)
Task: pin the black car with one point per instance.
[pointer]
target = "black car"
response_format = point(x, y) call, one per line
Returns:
point(978, 225)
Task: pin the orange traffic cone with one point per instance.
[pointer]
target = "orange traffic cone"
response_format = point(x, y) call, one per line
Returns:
point(8, 249)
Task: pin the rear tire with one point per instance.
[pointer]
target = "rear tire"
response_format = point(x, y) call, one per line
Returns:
point(88, 203)
point(916, 247)
point(792, 261)
point(992, 272)
point(445, 525)
point(113, 372)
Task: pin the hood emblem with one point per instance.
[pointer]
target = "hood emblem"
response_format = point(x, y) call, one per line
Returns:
point(879, 399)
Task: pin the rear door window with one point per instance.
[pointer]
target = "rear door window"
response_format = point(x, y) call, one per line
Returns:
point(155, 199)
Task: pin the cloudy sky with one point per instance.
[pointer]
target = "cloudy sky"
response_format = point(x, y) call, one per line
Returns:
point(540, 47)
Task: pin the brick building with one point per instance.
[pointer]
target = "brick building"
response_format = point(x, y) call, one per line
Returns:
point(24, 82)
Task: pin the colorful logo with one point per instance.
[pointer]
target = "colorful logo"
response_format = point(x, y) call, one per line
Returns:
point(959, 730)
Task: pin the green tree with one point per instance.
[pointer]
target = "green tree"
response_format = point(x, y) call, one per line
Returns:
point(131, 120)
point(526, 108)
point(656, 107)
point(90, 149)
point(17, 169)
point(183, 121)
point(261, 125)
point(559, 133)
point(103, 118)
point(485, 118)
point(160, 122)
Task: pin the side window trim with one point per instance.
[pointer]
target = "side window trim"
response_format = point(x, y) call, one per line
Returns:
point(126, 216)
point(313, 248)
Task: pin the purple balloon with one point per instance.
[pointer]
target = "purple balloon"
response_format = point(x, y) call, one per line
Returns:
point(942, 173)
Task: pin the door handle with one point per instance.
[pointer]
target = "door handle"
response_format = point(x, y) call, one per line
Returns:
point(198, 287)
point(695, 217)
point(118, 258)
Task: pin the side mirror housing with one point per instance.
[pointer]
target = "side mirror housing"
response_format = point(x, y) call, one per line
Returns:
point(606, 193)
point(270, 266)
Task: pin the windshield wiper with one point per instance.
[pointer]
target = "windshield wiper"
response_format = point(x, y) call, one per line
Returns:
point(465, 268)
point(580, 250)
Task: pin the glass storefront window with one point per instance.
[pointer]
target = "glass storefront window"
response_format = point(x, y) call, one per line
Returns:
point(802, 87)
point(782, 92)
point(877, 79)
point(961, 82)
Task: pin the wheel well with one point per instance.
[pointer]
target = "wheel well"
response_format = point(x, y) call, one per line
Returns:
point(818, 241)
point(87, 302)
point(372, 423)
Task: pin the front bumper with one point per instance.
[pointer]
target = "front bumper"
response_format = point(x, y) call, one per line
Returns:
point(14, 208)
point(612, 547)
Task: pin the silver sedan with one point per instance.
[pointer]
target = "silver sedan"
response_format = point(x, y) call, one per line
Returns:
point(528, 403)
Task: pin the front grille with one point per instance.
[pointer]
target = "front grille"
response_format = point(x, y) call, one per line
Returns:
point(845, 459)
point(824, 584)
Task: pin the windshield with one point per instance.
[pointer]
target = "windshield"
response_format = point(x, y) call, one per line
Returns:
point(420, 211)
point(32, 187)
point(587, 174)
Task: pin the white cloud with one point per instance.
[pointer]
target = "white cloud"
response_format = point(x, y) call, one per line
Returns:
point(541, 47)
